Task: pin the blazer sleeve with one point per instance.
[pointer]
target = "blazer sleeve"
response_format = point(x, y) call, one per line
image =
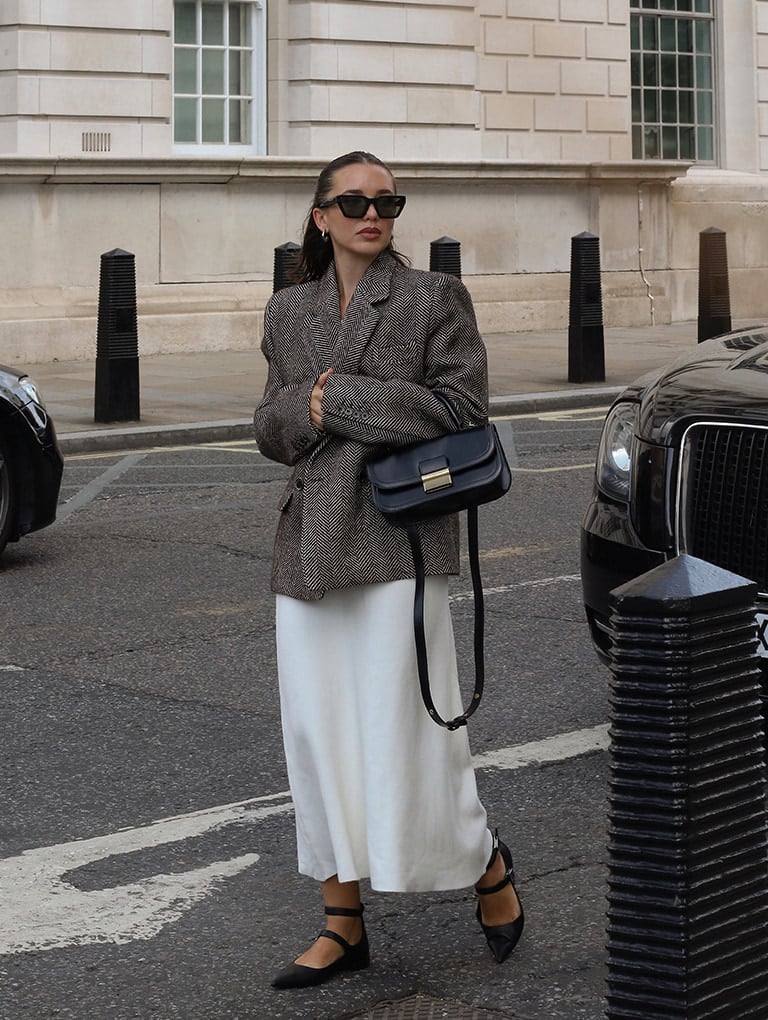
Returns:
point(281, 422)
point(399, 411)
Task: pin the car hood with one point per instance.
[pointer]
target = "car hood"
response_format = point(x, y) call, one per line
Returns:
point(5, 370)
point(721, 379)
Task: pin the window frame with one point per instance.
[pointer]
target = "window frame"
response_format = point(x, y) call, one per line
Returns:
point(257, 121)
point(637, 11)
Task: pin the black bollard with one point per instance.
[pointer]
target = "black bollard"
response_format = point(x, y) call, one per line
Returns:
point(714, 290)
point(117, 340)
point(286, 260)
point(586, 346)
point(688, 843)
point(445, 256)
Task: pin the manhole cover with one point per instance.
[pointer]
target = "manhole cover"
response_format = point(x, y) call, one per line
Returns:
point(419, 1007)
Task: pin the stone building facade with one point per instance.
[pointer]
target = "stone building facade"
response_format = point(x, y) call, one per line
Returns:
point(190, 132)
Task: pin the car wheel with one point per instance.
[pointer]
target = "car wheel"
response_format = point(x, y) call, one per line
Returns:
point(7, 495)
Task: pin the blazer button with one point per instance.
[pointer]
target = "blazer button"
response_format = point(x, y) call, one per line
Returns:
point(299, 483)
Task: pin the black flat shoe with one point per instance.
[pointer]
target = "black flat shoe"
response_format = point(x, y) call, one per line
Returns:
point(355, 957)
point(502, 938)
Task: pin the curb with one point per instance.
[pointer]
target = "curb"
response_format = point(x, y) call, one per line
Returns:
point(146, 436)
point(553, 400)
point(142, 437)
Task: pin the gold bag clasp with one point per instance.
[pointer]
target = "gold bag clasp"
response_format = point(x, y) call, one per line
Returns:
point(434, 480)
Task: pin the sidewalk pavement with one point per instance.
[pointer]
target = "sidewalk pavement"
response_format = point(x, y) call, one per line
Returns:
point(196, 397)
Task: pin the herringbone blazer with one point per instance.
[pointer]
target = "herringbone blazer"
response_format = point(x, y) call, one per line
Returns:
point(404, 334)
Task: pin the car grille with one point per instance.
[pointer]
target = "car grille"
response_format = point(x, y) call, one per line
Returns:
point(722, 511)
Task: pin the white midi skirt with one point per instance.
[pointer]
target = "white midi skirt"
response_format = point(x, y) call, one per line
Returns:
point(380, 791)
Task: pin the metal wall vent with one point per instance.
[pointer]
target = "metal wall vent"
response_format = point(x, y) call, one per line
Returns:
point(97, 141)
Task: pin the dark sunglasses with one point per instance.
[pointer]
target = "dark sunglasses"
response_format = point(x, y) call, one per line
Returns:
point(388, 207)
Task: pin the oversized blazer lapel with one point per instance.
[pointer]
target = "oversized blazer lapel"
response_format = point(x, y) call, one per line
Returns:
point(363, 312)
point(318, 322)
point(355, 329)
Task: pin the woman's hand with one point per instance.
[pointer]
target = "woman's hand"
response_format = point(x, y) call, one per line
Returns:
point(316, 400)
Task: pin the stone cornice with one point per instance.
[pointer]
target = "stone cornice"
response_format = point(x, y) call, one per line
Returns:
point(222, 171)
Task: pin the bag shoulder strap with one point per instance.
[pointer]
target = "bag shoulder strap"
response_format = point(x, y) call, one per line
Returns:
point(418, 623)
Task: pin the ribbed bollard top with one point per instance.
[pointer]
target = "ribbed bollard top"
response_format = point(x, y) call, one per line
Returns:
point(688, 841)
point(116, 386)
point(445, 256)
point(286, 260)
point(714, 316)
point(586, 298)
point(117, 333)
point(586, 342)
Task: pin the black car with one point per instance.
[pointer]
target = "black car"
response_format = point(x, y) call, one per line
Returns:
point(31, 464)
point(682, 467)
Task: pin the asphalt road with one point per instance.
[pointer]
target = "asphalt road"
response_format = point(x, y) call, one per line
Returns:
point(147, 864)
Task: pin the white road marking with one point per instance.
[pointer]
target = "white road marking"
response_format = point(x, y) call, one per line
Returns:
point(41, 910)
point(505, 589)
point(574, 414)
point(11, 669)
point(551, 749)
point(233, 445)
point(90, 491)
point(563, 414)
point(552, 470)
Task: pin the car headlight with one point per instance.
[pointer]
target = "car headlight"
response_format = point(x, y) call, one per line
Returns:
point(25, 395)
point(614, 457)
point(31, 389)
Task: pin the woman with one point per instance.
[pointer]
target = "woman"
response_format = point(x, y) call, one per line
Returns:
point(355, 351)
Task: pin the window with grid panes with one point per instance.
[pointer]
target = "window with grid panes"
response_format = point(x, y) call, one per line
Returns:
point(216, 73)
point(673, 78)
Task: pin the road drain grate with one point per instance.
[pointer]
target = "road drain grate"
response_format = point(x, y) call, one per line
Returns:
point(419, 1007)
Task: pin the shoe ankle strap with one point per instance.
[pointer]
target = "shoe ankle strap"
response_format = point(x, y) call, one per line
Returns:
point(345, 911)
point(488, 890)
point(509, 874)
point(338, 939)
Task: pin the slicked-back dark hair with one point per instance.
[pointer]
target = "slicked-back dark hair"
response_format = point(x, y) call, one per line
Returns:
point(316, 254)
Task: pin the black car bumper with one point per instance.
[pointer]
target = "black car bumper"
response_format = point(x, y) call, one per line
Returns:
point(38, 467)
point(611, 555)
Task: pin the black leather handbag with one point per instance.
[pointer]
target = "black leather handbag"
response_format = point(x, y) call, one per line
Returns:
point(458, 471)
